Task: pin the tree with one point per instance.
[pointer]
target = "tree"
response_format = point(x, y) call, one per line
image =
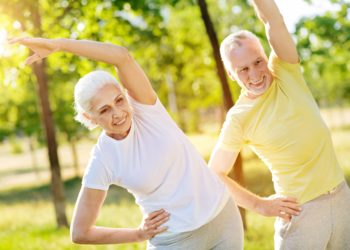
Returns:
point(237, 170)
point(39, 70)
point(325, 55)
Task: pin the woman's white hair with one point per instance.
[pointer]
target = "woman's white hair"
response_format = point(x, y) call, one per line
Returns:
point(85, 90)
point(235, 40)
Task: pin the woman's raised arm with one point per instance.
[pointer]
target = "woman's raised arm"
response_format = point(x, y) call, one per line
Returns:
point(130, 73)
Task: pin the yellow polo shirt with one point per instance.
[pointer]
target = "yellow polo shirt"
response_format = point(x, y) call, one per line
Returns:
point(285, 129)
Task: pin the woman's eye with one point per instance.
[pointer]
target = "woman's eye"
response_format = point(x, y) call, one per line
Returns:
point(120, 100)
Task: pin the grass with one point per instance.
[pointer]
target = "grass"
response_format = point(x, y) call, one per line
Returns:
point(28, 222)
point(27, 214)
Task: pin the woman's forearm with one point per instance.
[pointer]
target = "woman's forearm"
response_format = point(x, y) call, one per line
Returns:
point(98, 51)
point(105, 235)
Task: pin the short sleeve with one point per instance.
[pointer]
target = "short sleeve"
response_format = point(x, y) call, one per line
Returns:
point(140, 108)
point(288, 74)
point(231, 135)
point(149, 111)
point(96, 175)
point(277, 65)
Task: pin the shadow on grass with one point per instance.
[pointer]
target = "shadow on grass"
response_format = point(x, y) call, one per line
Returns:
point(22, 171)
point(71, 188)
point(258, 182)
point(26, 170)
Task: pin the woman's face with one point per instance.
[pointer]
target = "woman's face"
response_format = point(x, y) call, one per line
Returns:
point(111, 111)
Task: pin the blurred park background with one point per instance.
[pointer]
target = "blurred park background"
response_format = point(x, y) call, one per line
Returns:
point(43, 151)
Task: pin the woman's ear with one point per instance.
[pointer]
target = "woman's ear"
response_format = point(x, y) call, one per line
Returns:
point(87, 116)
point(230, 75)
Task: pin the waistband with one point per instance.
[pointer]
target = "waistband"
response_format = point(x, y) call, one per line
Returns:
point(336, 188)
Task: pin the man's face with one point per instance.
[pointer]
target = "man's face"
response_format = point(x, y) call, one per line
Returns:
point(248, 66)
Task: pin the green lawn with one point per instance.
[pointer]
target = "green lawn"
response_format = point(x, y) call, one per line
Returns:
point(27, 216)
point(27, 220)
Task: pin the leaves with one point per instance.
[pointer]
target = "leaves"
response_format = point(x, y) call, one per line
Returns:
point(169, 41)
point(324, 42)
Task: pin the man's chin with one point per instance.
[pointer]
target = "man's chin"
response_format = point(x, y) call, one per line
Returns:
point(256, 93)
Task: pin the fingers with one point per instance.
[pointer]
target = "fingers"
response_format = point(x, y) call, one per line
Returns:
point(291, 211)
point(160, 230)
point(24, 41)
point(290, 206)
point(157, 220)
point(152, 223)
point(289, 199)
point(155, 214)
point(284, 207)
point(20, 40)
point(285, 216)
point(33, 58)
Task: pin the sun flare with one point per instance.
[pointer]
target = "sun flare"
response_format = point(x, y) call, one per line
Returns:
point(3, 41)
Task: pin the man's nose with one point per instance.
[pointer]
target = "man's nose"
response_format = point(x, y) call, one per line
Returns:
point(254, 76)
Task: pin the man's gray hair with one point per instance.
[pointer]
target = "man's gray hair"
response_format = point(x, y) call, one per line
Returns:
point(235, 40)
point(86, 88)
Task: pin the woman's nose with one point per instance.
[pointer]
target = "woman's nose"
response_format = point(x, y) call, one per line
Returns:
point(117, 113)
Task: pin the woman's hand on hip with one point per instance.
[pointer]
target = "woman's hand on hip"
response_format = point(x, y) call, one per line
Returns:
point(151, 225)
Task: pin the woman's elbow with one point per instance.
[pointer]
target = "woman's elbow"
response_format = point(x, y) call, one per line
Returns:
point(123, 57)
point(78, 236)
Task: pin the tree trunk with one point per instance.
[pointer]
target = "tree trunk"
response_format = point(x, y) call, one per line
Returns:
point(73, 145)
point(237, 171)
point(48, 124)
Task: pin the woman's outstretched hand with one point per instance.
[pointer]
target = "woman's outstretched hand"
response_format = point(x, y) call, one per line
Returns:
point(40, 46)
point(151, 225)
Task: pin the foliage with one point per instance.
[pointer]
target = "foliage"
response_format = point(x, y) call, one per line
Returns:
point(169, 41)
point(323, 43)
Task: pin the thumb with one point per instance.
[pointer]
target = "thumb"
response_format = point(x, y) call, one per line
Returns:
point(33, 58)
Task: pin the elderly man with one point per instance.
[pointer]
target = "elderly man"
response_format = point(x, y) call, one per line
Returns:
point(278, 118)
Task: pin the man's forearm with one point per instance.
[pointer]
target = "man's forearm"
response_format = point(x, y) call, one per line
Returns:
point(243, 197)
point(267, 11)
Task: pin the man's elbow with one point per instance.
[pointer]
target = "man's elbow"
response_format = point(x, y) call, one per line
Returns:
point(220, 173)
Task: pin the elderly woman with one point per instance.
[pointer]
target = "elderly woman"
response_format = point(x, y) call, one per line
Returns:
point(141, 149)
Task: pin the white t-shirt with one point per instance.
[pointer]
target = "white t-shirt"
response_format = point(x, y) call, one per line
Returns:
point(160, 167)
